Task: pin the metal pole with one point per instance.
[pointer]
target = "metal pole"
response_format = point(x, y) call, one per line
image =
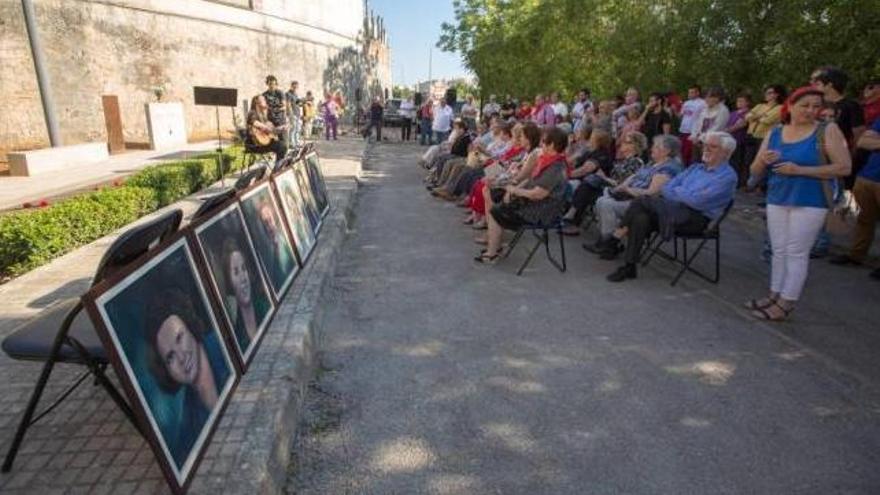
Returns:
point(30, 20)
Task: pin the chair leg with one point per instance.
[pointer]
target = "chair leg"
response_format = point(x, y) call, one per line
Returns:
point(562, 249)
point(531, 254)
point(651, 248)
point(513, 243)
point(26, 418)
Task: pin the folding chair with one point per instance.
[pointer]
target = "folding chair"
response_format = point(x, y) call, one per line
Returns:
point(65, 334)
point(248, 178)
point(252, 152)
point(542, 234)
point(211, 203)
point(712, 232)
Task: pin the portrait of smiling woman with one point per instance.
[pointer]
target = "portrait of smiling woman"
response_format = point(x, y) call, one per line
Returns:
point(240, 285)
point(171, 352)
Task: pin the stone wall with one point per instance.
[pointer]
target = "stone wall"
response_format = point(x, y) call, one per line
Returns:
point(130, 47)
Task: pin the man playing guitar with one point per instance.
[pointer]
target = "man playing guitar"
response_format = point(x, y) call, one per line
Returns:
point(262, 134)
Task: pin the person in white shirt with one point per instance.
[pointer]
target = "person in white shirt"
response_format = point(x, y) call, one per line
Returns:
point(442, 122)
point(690, 110)
point(469, 113)
point(581, 108)
point(491, 108)
point(559, 107)
point(712, 118)
point(407, 110)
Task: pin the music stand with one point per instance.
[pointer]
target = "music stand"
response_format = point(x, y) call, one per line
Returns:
point(217, 97)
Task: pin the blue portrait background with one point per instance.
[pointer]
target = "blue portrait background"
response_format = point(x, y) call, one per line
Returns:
point(180, 420)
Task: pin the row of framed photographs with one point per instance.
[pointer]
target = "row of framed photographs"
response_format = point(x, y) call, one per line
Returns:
point(183, 324)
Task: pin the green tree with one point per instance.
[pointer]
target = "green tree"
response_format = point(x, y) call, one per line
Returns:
point(530, 46)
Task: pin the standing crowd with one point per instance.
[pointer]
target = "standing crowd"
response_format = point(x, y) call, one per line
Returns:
point(666, 166)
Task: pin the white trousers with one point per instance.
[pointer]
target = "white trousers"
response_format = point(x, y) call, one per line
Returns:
point(610, 212)
point(793, 230)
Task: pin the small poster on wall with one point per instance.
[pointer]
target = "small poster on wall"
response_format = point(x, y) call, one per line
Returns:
point(168, 351)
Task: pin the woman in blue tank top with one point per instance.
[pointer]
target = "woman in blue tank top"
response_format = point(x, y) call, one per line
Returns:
point(797, 158)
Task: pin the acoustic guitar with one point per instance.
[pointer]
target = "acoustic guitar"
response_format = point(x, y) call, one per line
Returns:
point(264, 137)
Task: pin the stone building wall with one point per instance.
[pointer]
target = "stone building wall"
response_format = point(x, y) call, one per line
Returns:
point(130, 47)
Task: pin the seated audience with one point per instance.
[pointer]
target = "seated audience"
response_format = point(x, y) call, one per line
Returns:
point(647, 181)
point(516, 172)
point(540, 199)
point(687, 203)
point(799, 158)
point(459, 148)
point(476, 159)
point(592, 187)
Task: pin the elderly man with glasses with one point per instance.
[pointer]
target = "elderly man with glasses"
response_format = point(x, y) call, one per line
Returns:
point(687, 203)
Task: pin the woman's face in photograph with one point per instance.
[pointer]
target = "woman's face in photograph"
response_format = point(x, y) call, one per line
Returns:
point(239, 278)
point(268, 219)
point(179, 350)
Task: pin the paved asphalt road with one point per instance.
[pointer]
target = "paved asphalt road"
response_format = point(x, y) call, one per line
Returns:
point(446, 377)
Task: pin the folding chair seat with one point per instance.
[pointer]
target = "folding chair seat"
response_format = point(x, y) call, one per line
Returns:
point(64, 333)
point(542, 236)
point(712, 233)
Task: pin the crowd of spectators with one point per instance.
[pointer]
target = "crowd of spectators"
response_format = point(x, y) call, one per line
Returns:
point(666, 166)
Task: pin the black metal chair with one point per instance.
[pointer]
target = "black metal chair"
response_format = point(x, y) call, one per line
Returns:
point(542, 235)
point(253, 153)
point(249, 178)
point(711, 233)
point(211, 203)
point(65, 334)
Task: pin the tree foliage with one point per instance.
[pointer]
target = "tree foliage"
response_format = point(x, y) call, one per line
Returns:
point(524, 47)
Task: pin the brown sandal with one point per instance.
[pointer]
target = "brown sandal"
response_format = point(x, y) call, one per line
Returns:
point(763, 314)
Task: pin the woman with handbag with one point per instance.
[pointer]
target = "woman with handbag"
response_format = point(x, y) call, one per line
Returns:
point(539, 200)
point(802, 159)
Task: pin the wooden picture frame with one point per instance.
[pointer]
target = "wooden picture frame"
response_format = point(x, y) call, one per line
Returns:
point(319, 185)
point(309, 204)
point(273, 243)
point(168, 349)
point(288, 196)
point(232, 268)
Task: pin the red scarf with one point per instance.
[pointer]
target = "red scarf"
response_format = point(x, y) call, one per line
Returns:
point(512, 152)
point(545, 161)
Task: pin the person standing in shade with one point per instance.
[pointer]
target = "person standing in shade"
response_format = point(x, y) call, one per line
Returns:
point(469, 114)
point(690, 110)
point(408, 112)
point(329, 111)
point(295, 112)
point(308, 115)
point(762, 118)
point(491, 108)
point(377, 111)
point(277, 102)
point(426, 117)
point(442, 122)
point(581, 108)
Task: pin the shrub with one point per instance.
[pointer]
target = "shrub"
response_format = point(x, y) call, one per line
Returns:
point(31, 238)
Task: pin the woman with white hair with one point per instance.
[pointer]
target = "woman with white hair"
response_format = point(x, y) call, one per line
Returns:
point(647, 181)
point(687, 203)
point(801, 159)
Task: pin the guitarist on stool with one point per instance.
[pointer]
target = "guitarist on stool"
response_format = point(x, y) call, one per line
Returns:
point(262, 134)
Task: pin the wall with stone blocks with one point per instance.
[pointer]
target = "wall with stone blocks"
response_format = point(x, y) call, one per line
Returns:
point(130, 47)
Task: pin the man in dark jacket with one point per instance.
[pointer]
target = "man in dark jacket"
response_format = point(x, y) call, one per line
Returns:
point(377, 111)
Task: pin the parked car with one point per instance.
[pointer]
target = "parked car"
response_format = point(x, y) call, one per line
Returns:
point(392, 116)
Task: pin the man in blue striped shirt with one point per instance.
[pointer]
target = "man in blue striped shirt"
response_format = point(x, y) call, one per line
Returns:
point(687, 203)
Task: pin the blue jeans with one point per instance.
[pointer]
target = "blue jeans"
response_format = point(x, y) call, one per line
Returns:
point(440, 136)
point(425, 131)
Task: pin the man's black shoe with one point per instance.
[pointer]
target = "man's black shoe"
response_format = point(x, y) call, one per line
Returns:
point(843, 259)
point(623, 273)
point(875, 274)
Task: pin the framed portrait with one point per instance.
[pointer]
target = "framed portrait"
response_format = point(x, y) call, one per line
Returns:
point(274, 249)
point(316, 179)
point(292, 205)
point(234, 274)
point(309, 204)
point(166, 346)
